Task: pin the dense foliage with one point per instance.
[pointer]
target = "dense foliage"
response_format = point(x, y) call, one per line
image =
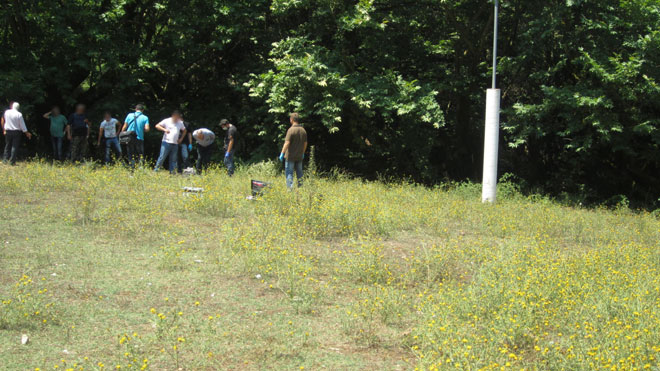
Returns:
point(386, 87)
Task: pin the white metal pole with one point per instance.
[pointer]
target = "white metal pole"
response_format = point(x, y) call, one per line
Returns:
point(492, 131)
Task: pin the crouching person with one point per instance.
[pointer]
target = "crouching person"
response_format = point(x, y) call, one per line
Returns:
point(204, 139)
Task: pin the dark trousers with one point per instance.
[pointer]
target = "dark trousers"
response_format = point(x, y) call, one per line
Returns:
point(204, 158)
point(57, 147)
point(12, 143)
point(78, 148)
point(135, 151)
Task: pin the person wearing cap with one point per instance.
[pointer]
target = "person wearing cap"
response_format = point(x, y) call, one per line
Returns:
point(137, 123)
point(230, 144)
point(13, 127)
point(204, 138)
point(293, 151)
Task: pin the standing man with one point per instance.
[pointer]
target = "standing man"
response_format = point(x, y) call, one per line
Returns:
point(230, 144)
point(58, 124)
point(137, 123)
point(204, 139)
point(172, 129)
point(185, 147)
point(78, 133)
point(13, 127)
point(108, 129)
point(295, 146)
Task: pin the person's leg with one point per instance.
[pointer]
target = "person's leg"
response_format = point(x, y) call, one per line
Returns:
point(184, 164)
point(7, 153)
point(229, 164)
point(299, 172)
point(83, 148)
point(288, 173)
point(15, 144)
point(174, 156)
point(130, 152)
point(108, 145)
point(140, 151)
point(75, 144)
point(53, 142)
point(161, 156)
point(58, 151)
point(116, 147)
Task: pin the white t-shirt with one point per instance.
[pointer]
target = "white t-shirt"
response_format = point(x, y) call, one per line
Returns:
point(175, 128)
point(208, 139)
point(109, 128)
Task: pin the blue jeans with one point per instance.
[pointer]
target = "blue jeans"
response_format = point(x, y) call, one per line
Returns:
point(112, 144)
point(229, 163)
point(185, 156)
point(289, 168)
point(168, 150)
point(57, 147)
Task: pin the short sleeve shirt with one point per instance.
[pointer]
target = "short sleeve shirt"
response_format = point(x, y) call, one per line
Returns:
point(57, 125)
point(232, 133)
point(136, 122)
point(78, 124)
point(209, 137)
point(185, 138)
point(175, 129)
point(297, 137)
point(109, 128)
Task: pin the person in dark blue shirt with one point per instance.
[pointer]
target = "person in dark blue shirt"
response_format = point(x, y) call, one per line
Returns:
point(78, 133)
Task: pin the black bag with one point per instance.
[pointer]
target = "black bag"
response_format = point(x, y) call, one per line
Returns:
point(127, 136)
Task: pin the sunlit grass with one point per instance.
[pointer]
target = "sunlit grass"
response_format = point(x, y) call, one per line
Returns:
point(107, 269)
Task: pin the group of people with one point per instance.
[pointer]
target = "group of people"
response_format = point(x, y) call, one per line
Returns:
point(177, 139)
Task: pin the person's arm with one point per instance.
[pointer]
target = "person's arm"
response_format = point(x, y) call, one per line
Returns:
point(2, 122)
point(47, 114)
point(304, 149)
point(230, 146)
point(123, 128)
point(67, 129)
point(146, 126)
point(24, 129)
point(284, 149)
point(159, 127)
point(98, 141)
point(182, 135)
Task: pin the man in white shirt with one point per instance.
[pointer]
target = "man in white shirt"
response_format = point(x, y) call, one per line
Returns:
point(108, 130)
point(13, 127)
point(204, 139)
point(173, 132)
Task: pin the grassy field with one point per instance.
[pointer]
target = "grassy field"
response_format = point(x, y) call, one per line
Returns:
point(104, 269)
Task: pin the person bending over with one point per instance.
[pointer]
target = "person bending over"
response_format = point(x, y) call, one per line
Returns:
point(204, 139)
